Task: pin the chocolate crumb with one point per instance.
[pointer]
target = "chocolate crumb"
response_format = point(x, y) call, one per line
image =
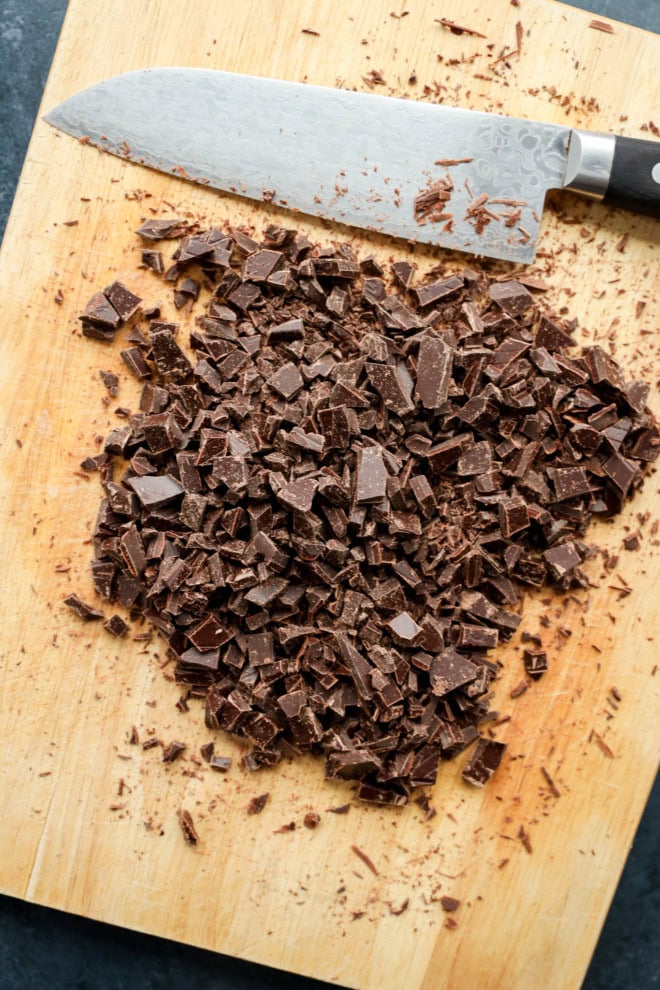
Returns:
point(449, 903)
point(257, 804)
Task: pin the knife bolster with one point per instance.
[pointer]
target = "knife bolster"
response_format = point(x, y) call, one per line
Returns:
point(589, 163)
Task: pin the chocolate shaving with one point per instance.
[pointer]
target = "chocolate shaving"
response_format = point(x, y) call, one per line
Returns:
point(368, 862)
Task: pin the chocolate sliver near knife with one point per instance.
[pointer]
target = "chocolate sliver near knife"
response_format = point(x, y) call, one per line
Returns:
point(461, 179)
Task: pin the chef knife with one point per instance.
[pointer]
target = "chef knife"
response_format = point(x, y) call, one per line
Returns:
point(461, 179)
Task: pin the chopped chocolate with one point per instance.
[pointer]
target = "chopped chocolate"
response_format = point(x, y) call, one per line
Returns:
point(157, 230)
point(155, 490)
point(371, 476)
point(99, 318)
point(434, 366)
point(84, 611)
point(173, 751)
point(483, 762)
point(335, 490)
point(449, 670)
point(220, 763)
point(116, 626)
point(536, 662)
point(511, 296)
point(311, 819)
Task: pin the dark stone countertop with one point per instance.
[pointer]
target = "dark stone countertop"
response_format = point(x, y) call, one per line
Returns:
point(40, 947)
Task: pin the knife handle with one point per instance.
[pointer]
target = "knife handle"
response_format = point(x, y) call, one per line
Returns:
point(619, 171)
point(635, 177)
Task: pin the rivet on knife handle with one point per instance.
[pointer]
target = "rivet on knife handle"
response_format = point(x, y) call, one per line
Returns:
point(620, 171)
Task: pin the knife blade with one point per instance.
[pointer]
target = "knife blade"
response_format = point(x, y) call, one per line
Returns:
point(460, 179)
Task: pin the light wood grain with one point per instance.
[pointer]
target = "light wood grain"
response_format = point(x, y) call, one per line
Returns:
point(69, 694)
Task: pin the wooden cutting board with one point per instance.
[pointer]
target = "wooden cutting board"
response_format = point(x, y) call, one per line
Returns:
point(88, 822)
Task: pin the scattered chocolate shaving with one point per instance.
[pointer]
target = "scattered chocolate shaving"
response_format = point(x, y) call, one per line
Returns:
point(601, 26)
point(525, 839)
point(335, 489)
point(311, 819)
point(602, 745)
point(340, 809)
point(188, 827)
point(551, 784)
point(368, 862)
point(457, 29)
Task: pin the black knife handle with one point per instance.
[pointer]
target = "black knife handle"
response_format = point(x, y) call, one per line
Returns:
point(635, 177)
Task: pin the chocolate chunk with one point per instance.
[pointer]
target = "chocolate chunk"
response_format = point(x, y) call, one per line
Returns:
point(432, 292)
point(434, 366)
point(170, 360)
point(371, 476)
point(511, 296)
point(514, 516)
point(298, 495)
point(404, 628)
point(389, 383)
point(84, 611)
point(484, 761)
point(287, 381)
point(122, 300)
point(220, 763)
point(536, 662)
point(116, 626)
point(569, 482)
point(156, 230)
point(135, 361)
point(99, 318)
point(173, 751)
point(449, 670)
point(153, 260)
point(562, 559)
point(155, 490)
point(621, 472)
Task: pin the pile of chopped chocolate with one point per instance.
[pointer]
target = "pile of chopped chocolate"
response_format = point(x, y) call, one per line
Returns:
point(336, 488)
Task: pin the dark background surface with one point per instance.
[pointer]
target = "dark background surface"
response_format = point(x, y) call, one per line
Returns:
point(40, 947)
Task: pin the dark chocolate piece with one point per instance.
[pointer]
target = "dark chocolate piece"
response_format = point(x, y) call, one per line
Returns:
point(257, 804)
point(483, 762)
point(434, 366)
point(84, 611)
point(123, 301)
point(371, 476)
point(173, 751)
point(155, 490)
